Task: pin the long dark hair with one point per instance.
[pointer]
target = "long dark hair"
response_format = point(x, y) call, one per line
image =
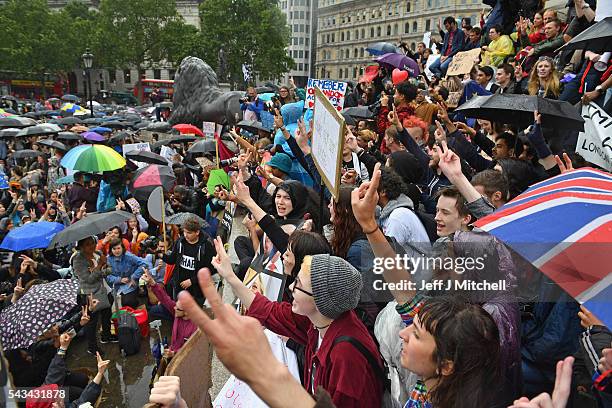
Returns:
point(466, 335)
point(305, 243)
point(346, 227)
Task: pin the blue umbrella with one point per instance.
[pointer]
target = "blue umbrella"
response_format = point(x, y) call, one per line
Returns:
point(65, 180)
point(101, 129)
point(30, 236)
point(381, 48)
point(4, 185)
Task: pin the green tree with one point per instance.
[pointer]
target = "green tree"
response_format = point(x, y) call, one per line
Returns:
point(251, 32)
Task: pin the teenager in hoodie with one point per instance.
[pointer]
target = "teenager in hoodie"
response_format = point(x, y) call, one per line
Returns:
point(190, 253)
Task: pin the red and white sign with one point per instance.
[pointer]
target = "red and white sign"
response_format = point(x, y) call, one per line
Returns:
point(333, 90)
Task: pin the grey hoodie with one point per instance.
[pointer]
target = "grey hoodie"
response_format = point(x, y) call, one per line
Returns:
point(402, 223)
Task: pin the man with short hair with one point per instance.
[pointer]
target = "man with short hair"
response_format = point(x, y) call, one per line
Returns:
point(184, 199)
point(504, 77)
point(547, 47)
point(190, 253)
point(453, 43)
point(484, 77)
point(473, 39)
point(452, 214)
point(506, 147)
point(252, 106)
point(392, 141)
point(493, 185)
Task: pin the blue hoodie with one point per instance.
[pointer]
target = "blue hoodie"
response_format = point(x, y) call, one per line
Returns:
point(127, 265)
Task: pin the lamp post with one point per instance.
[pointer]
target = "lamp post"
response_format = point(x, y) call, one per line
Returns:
point(87, 58)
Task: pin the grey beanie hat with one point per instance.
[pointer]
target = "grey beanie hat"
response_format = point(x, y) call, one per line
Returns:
point(336, 285)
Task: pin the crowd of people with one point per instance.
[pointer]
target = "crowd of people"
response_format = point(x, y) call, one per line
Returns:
point(415, 177)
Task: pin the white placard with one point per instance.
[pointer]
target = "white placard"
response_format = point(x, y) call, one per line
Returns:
point(427, 38)
point(333, 90)
point(327, 141)
point(604, 9)
point(236, 393)
point(130, 147)
point(208, 128)
point(595, 143)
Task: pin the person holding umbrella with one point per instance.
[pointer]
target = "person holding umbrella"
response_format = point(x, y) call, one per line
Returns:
point(91, 268)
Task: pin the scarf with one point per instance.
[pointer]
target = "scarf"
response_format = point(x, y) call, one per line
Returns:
point(419, 398)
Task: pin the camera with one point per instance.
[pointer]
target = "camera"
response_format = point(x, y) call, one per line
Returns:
point(228, 162)
point(149, 245)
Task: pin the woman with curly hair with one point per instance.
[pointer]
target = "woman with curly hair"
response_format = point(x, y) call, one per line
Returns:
point(544, 79)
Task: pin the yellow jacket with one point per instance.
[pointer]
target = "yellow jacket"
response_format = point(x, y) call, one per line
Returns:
point(497, 51)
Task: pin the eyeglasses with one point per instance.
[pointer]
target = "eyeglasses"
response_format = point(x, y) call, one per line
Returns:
point(295, 287)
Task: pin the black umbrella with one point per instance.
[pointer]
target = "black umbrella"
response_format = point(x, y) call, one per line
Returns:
point(9, 110)
point(595, 38)
point(93, 121)
point(73, 120)
point(16, 122)
point(42, 129)
point(119, 136)
point(53, 143)
point(142, 125)
point(348, 119)
point(252, 126)
point(166, 105)
point(70, 98)
point(34, 115)
point(92, 224)
point(9, 132)
point(159, 127)
point(359, 112)
point(144, 156)
point(180, 218)
point(518, 110)
point(25, 153)
point(68, 136)
point(174, 139)
point(203, 146)
point(115, 124)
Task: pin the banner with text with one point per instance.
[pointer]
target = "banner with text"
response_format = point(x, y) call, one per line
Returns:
point(595, 143)
point(463, 62)
point(333, 90)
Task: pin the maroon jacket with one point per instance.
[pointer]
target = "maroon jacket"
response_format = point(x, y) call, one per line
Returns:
point(341, 371)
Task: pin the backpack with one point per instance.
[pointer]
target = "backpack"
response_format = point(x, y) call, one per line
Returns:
point(382, 373)
point(129, 334)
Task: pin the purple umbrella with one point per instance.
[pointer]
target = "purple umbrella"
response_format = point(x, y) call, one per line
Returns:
point(93, 137)
point(400, 61)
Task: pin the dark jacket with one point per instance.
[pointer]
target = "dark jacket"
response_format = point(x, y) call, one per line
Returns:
point(188, 260)
point(545, 47)
point(340, 369)
point(56, 374)
point(456, 46)
point(78, 193)
point(188, 204)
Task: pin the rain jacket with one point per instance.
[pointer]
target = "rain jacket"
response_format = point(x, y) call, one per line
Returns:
point(498, 50)
point(127, 265)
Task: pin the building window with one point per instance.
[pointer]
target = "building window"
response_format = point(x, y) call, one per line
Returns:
point(378, 31)
point(361, 52)
point(354, 72)
point(112, 75)
point(427, 25)
point(395, 29)
point(157, 74)
point(348, 36)
point(301, 41)
point(342, 36)
point(414, 27)
point(363, 33)
point(408, 7)
point(355, 51)
point(333, 37)
point(300, 66)
point(413, 46)
point(372, 32)
point(388, 30)
point(307, 41)
point(307, 28)
point(127, 76)
point(356, 34)
point(300, 54)
point(305, 67)
point(407, 28)
point(295, 28)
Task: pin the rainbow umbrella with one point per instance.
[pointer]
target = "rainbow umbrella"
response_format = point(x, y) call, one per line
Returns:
point(5, 114)
point(92, 159)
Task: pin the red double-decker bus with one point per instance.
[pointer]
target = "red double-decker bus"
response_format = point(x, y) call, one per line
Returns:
point(143, 89)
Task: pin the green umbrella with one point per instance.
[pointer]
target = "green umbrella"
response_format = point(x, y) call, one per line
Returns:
point(217, 177)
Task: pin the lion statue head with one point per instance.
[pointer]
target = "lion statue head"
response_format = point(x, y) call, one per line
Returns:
point(197, 97)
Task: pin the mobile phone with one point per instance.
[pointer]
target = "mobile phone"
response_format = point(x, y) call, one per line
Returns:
point(71, 332)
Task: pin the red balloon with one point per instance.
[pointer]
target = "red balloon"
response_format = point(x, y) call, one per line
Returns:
point(398, 76)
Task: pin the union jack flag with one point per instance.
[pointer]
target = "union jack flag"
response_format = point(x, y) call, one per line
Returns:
point(563, 226)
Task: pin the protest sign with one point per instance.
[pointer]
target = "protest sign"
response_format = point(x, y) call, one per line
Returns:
point(333, 90)
point(130, 147)
point(463, 62)
point(427, 38)
point(327, 141)
point(430, 60)
point(236, 393)
point(595, 143)
point(208, 128)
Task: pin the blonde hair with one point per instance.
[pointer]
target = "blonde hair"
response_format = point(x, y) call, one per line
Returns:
point(552, 84)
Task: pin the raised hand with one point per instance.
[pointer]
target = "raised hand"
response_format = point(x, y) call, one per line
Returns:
point(65, 340)
point(102, 364)
point(242, 190)
point(440, 133)
point(588, 319)
point(84, 316)
point(450, 163)
point(565, 167)
point(221, 261)
point(364, 200)
point(167, 393)
point(146, 276)
point(561, 392)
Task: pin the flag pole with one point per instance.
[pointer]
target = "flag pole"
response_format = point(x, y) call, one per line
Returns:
point(163, 220)
point(217, 150)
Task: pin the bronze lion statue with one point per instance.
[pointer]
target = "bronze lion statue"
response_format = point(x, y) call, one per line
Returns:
point(197, 97)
